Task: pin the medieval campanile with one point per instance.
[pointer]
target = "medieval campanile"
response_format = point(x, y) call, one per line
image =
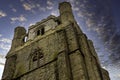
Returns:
point(55, 49)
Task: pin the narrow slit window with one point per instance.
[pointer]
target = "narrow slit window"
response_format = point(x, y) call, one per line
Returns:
point(42, 31)
point(38, 32)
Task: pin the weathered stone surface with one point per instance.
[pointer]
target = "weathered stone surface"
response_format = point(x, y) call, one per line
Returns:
point(78, 66)
point(9, 70)
point(56, 49)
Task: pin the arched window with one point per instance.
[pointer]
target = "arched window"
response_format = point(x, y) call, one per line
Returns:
point(37, 55)
point(36, 58)
point(40, 31)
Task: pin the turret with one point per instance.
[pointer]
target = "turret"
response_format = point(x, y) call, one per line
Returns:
point(19, 36)
point(66, 12)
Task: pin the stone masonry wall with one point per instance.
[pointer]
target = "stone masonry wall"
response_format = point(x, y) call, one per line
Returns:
point(62, 58)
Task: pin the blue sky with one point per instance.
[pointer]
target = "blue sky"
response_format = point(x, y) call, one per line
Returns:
point(99, 19)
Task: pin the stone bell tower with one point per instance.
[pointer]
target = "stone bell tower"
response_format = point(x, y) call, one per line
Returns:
point(56, 49)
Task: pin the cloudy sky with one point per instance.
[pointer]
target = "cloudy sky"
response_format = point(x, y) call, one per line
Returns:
point(99, 19)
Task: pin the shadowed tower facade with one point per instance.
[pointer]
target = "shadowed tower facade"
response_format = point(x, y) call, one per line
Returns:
point(53, 49)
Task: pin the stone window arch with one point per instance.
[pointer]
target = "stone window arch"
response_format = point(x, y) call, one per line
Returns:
point(35, 58)
point(37, 54)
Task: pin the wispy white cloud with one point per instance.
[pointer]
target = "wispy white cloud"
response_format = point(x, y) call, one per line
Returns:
point(5, 40)
point(32, 6)
point(31, 24)
point(28, 6)
point(80, 14)
point(2, 14)
point(76, 8)
point(50, 5)
point(55, 13)
point(71, 1)
point(20, 18)
point(40, 7)
point(5, 46)
point(14, 10)
point(12, 7)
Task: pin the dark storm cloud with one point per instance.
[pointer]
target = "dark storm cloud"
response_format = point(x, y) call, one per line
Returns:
point(114, 46)
point(99, 18)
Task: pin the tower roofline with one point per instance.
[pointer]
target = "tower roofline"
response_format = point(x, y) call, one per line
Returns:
point(65, 2)
point(42, 21)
